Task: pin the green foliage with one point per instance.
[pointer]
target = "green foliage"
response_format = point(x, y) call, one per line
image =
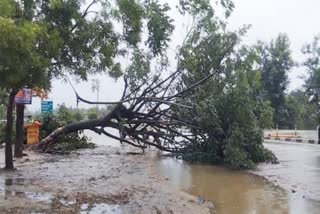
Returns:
point(265, 115)
point(312, 82)
point(131, 13)
point(227, 108)
point(139, 68)
point(21, 61)
point(92, 115)
point(6, 8)
point(275, 62)
point(159, 27)
point(64, 116)
point(77, 115)
point(303, 113)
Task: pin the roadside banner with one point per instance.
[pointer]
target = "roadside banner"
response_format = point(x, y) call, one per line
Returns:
point(24, 96)
point(46, 106)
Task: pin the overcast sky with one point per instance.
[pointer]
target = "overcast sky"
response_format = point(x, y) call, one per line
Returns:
point(299, 19)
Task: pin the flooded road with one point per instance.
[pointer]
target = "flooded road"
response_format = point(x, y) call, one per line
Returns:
point(107, 179)
point(230, 191)
point(241, 192)
point(101, 180)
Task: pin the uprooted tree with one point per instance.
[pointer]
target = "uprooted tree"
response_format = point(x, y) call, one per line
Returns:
point(145, 116)
point(155, 114)
point(207, 110)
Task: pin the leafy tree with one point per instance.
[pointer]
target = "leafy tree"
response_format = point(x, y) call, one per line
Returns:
point(312, 82)
point(307, 111)
point(21, 63)
point(224, 114)
point(249, 76)
point(292, 115)
point(275, 62)
point(45, 39)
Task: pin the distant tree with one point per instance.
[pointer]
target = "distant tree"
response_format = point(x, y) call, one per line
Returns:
point(96, 88)
point(312, 81)
point(249, 74)
point(275, 63)
point(291, 117)
point(307, 117)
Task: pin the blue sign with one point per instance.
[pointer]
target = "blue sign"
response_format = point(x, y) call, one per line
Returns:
point(46, 106)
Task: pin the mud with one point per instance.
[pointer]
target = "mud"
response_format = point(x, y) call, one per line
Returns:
point(103, 180)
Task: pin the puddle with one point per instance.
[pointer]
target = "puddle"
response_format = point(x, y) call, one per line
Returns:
point(101, 209)
point(32, 196)
point(232, 191)
point(39, 196)
point(15, 181)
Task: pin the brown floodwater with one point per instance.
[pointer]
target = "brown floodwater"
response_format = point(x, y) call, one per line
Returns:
point(233, 191)
point(292, 187)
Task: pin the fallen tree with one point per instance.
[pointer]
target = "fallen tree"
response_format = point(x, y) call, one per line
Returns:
point(209, 110)
point(144, 116)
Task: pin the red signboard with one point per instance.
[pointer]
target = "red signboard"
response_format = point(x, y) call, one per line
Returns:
point(24, 96)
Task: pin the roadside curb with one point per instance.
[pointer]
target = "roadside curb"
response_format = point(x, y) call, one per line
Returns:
point(291, 140)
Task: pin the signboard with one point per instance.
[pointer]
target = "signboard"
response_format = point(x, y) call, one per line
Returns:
point(46, 106)
point(24, 96)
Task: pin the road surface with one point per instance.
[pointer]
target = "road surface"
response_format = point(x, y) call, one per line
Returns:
point(298, 172)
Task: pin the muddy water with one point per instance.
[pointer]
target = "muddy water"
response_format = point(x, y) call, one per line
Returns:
point(231, 191)
point(245, 193)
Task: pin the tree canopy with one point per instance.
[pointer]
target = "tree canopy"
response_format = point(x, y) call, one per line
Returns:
point(312, 82)
point(275, 62)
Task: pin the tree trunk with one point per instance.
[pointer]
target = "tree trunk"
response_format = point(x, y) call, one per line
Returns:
point(8, 134)
point(18, 149)
point(74, 127)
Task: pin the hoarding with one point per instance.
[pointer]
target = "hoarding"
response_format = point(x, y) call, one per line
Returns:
point(24, 96)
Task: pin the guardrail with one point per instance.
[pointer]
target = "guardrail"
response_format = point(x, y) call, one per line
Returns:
point(296, 140)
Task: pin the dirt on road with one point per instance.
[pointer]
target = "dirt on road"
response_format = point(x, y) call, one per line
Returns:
point(102, 180)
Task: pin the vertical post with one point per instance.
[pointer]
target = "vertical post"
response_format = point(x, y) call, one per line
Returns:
point(318, 130)
point(295, 130)
point(277, 131)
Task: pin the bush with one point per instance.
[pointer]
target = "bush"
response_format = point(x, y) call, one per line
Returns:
point(67, 143)
point(92, 115)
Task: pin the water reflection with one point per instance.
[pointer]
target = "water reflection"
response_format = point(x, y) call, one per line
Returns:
point(233, 191)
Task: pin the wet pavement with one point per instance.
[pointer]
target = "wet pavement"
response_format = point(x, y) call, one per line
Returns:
point(101, 180)
point(107, 180)
point(298, 171)
point(293, 186)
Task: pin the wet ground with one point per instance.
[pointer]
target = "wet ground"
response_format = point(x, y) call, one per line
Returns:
point(298, 172)
point(293, 186)
point(107, 180)
point(103, 180)
point(231, 191)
